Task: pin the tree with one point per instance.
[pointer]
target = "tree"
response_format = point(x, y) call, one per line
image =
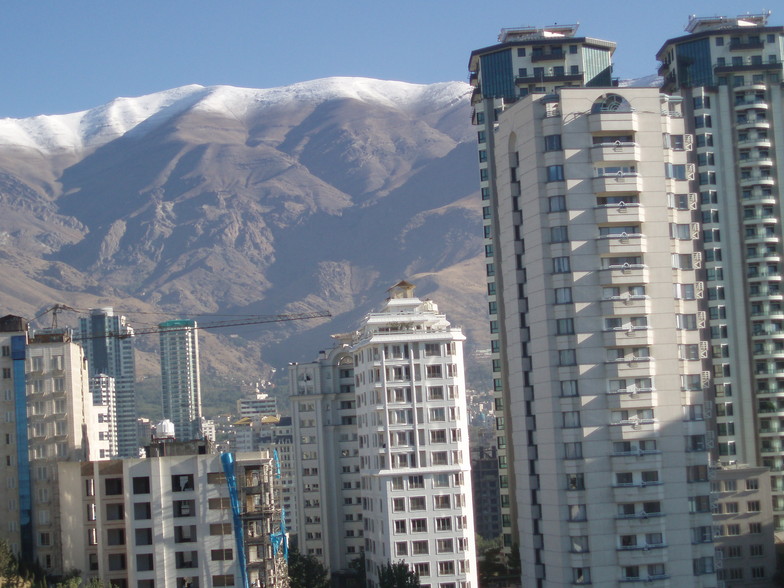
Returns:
point(358, 566)
point(305, 571)
point(397, 575)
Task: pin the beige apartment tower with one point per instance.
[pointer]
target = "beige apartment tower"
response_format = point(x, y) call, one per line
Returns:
point(596, 261)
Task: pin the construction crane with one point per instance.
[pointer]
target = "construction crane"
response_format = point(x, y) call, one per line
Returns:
point(246, 320)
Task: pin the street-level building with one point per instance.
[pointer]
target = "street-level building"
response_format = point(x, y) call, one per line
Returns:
point(181, 517)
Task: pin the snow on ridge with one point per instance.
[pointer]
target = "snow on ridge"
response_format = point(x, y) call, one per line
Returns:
point(98, 126)
point(94, 127)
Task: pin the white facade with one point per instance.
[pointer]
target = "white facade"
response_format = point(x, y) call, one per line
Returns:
point(413, 442)
point(595, 254)
point(107, 340)
point(181, 383)
point(105, 417)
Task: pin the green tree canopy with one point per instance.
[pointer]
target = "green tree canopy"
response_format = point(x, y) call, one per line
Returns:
point(397, 575)
point(305, 571)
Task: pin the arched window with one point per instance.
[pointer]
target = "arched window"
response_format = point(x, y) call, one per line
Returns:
point(611, 103)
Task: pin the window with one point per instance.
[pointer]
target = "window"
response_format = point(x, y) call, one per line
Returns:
point(561, 265)
point(422, 569)
point(443, 523)
point(577, 512)
point(184, 508)
point(563, 295)
point(116, 562)
point(559, 234)
point(571, 419)
point(581, 575)
point(441, 501)
point(555, 173)
point(445, 545)
point(220, 529)
point(555, 204)
point(417, 503)
point(446, 568)
point(575, 482)
point(143, 536)
point(221, 554)
point(223, 580)
point(182, 482)
point(144, 562)
point(419, 525)
point(115, 512)
point(113, 486)
point(400, 527)
point(567, 357)
point(141, 485)
point(552, 142)
point(185, 533)
point(573, 450)
point(186, 559)
point(564, 326)
point(142, 511)
point(569, 388)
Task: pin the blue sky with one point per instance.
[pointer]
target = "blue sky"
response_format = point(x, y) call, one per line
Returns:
point(61, 56)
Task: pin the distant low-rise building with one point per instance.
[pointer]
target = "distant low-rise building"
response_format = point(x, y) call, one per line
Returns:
point(743, 526)
point(182, 517)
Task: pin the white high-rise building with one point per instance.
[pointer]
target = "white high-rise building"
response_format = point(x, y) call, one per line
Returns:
point(181, 384)
point(414, 459)
point(596, 258)
point(107, 340)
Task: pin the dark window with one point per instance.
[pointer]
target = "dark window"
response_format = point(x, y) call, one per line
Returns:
point(143, 536)
point(142, 511)
point(141, 485)
point(113, 486)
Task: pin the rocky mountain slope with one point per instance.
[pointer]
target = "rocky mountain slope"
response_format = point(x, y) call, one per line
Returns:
point(230, 201)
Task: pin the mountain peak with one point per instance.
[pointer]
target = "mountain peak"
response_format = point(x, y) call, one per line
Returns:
point(97, 126)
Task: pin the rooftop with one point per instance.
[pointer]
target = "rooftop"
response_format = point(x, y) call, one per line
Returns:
point(527, 33)
point(698, 24)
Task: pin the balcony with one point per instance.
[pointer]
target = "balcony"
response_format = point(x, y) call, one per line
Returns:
point(621, 212)
point(618, 182)
point(746, 45)
point(612, 121)
point(616, 151)
point(551, 56)
point(628, 273)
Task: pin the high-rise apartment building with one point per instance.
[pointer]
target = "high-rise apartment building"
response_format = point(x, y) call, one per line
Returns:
point(16, 511)
point(729, 73)
point(381, 454)
point(49, 416)
point(181, 384)
point(594, 249)
point(326, 472)
point(107, 340)
point(414, 458)
point(526, 60)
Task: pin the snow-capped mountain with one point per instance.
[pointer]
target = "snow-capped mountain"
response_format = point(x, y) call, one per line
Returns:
point(315, 196)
